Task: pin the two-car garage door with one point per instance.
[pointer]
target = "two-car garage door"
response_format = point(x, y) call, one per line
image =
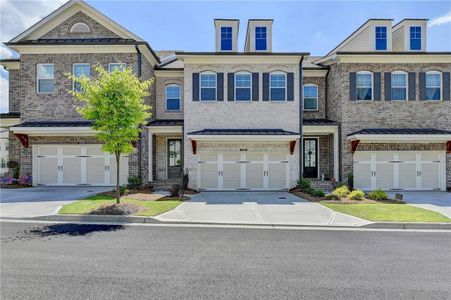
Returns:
point(402, 170)
point(76, 165)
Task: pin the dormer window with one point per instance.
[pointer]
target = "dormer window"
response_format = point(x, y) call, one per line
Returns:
point(381, 38)
point(260, 39)
point(226, 38)
point(415, 38)
point(80, 28)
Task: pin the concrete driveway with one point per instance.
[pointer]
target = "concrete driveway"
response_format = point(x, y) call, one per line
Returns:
point(432, 200)
point(256, 208)
point(40, 201)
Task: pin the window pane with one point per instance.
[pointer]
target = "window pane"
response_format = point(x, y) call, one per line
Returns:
point(80, 70)
point(364, 80)
point(415, 38)
point(173, 91)
point(208, 80)
point(364, 93)
point(398, 80)
point(45, 85)
point(310, 91)
point(381, 38)
point(311, 103)
point(277, 80)
point(173, 104)
point(207, 94)
point(260, 38)
point(432, 93)
point(243, 80)
point(398, 93)
point(277, 94)
point(243, 94)
point(45, 71)
point(114, 66)
point(226, 38)
point(433, 80)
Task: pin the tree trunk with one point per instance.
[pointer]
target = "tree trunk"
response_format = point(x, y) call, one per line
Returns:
point(118, 193)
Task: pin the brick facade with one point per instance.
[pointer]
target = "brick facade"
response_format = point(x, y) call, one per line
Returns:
point(321, 112)
point(160, 108)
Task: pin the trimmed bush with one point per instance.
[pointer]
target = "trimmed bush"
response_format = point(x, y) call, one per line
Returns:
point(378, 195)
point(332, 197)
point(341, 192)
point(134, 182)
point(317, 193)
point(356, 195)
point(176, 190)
point(304, 185)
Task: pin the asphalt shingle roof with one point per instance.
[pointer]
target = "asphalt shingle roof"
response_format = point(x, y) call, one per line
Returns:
point(318, 122)
point(82, 123)
point(243, 132)
point(166, 123)
point(401, 131)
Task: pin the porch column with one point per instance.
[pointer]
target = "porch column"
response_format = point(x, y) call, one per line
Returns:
point(336, 157)
point(150, 156)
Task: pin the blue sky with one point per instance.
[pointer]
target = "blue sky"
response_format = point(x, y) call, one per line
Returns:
point(310, 26)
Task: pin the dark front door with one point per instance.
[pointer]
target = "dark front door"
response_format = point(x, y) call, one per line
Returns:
point(310, 158)
point(174, 158)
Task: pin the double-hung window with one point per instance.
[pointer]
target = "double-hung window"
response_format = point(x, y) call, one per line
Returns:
point(278, 88)
point(399, 85)
point(381, 38)
point(44, 78)
point(433, 85)
point(226, 38)
point(119, 66)
point(173, 97)
point(415, 37)
point(243, 83)
point(364, 85)
point(208, 87)
point(260, 38)
point(310, 97)
point(79, 70)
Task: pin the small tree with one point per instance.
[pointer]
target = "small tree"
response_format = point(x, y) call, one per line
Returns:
point(114, 101)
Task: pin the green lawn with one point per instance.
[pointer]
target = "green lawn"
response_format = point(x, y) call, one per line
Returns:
point(153, 208)
point(388, 212)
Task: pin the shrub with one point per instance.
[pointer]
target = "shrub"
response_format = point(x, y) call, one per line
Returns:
point(351, 181)
point(176, 190)
point(116, 209)
point(12, 164)
point(317, 193)
point(304, 185)
point(356, 195)
point(378, 194)
point(332, 197)
point(134, 182)
point(122, 190)
point(185, 180)
point(338, 185)
point(341, 192)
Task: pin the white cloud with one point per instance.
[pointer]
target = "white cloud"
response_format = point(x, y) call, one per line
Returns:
point(4, 92)
point(441, 20)
point(5, 52)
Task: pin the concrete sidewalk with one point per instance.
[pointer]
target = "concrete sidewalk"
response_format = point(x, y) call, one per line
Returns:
point(277, 208)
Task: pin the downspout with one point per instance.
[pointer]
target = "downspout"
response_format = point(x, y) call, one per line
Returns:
point(301, 116)
point(140, 134)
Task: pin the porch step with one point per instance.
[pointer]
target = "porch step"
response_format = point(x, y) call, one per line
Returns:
point(164, 185)
point(324, 185)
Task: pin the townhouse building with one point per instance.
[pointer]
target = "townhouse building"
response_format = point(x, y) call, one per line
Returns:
point(377, 106)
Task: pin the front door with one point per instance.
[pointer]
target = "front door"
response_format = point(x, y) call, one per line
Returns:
point(310, 158)
point(174, 158)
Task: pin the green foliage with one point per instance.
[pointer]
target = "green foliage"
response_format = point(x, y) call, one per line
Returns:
point(134, 182)
point(185, 180)
point(122, 190)
point(16, 172)
point(351, 181)
point(378, 195)
point(317, 193)
point(341, 192)
point(356, 195)
point(304, 185)
point(332, 197)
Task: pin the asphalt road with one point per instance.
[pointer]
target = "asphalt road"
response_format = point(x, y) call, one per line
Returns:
point(66, 261)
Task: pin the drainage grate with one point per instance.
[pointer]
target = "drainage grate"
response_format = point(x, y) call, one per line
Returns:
point(282, 198)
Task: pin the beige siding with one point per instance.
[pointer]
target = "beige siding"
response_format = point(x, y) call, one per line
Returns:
point(398, 39)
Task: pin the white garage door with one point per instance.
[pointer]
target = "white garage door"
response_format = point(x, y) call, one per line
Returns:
point(399, 170)
point(243, 171)
point(76, 165)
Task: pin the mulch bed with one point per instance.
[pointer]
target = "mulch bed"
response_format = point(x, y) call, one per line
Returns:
point(146, 195)
point(311, 198)
point(14, 186)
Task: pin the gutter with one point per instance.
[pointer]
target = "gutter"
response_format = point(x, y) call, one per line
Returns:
point(301, 116)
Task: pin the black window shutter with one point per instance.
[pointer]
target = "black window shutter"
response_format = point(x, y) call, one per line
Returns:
point(195, 86)
point(220, 87)
point(387, 86)
point(231, 86)
point(290, 86)
point(255, 86)
point(377, 86)
point(412, 90)
point(446, 86)
point(422, 86)
point(265, 86)
point(352, 86)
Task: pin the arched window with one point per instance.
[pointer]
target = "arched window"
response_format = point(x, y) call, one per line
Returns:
point(364, 85)
point(243, 86)
point(310, 97)
point(399, 85)
point(278, 86)
point(433, 85)
point(80, 28)
point(208, 86)
point(173, 97)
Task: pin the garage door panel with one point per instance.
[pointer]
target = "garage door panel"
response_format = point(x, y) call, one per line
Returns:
point(384, 175)
point(72, 170)
point(94, 150)
point(95, 170)
point(209, 175)
point(277, 176)
point(231, 175)
point(254, 175)
point(362, 175)
point(430, 175)
point(407, 176)
point(48, 150)
point(48, 170)
point(123, 175)
point(384, 156)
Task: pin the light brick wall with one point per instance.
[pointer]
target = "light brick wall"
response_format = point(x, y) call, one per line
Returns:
point(161, 112)
point(326, 156)
point(15, 90)
point(321, 112)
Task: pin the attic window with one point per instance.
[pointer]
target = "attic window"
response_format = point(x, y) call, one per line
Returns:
point(80, 28)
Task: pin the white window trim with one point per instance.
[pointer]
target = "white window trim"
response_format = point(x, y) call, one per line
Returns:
point(421, 38)
point(277, 73)
point(200, 86)
point(441, 84)
point(372, 85)
point(317, 97)
point(37, 78)
point(73, 72)
point(255, 39)
point(235, 86)
point(166, 97)
point(375, 39)
point(116, 63)
point(406, 87)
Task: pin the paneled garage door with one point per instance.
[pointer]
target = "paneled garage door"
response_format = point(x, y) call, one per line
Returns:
point(243, 171)
point(76, 165)
point(403, 170)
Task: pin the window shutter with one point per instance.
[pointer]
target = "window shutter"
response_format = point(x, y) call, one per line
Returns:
point(377, 86)
point(220, 87)
point(255, 86)
point(195, 86)
point(352, 86)
point(231, 86)
point(290, 86)
point(412, 90)
point(422, 87)
point(446, 86)
point(265, 86)
point(387, 86)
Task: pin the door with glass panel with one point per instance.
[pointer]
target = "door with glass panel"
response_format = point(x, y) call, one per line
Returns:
point(174, 158)
point(310, 158)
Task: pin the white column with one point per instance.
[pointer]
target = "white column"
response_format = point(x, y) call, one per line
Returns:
point(150, 157)
point(336, 151)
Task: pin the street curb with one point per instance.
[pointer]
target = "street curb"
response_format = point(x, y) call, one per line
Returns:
point(393, 225)
point(93, 218)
